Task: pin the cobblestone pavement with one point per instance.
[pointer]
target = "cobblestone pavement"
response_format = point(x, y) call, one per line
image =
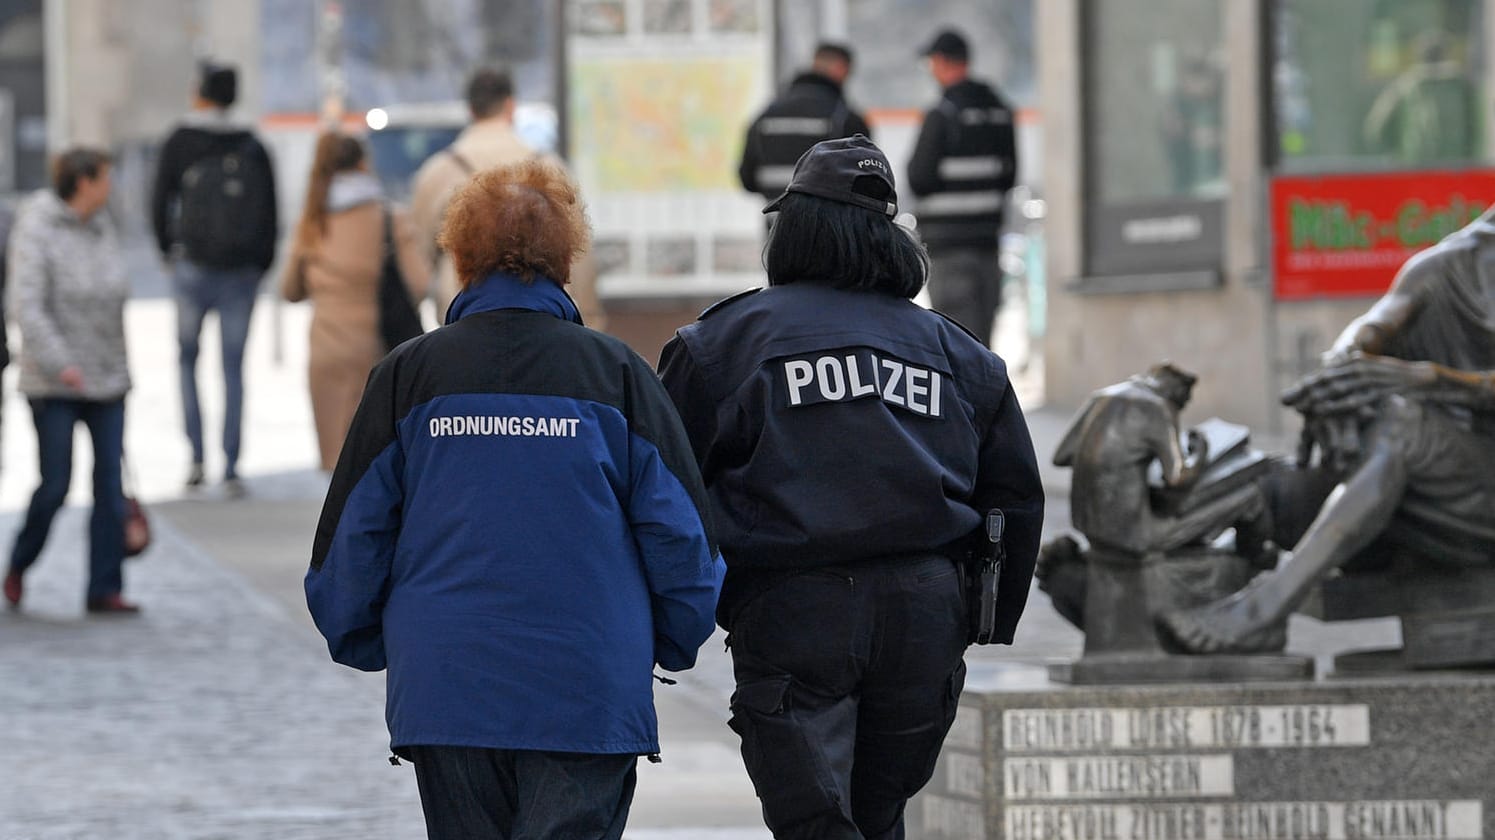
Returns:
point(209, 716)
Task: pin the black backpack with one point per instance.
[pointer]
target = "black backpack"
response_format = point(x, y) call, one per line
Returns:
point(225, 207)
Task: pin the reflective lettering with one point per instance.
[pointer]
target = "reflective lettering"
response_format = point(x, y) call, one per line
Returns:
point(799, 373)
point(916, 389)
point(832, 380)
point(854, 378)
point(489, 425)
point(895, 369)
point(845, 376)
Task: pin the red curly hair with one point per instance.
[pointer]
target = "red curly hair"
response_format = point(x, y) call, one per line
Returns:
point(525, 219)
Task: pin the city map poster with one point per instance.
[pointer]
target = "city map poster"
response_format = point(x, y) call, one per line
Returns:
point(661, 125)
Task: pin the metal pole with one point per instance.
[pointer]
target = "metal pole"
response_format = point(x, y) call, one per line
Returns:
point(56, 16)
point(333, 86)
point(330, 77)
point(561, 63)
point(833, 23)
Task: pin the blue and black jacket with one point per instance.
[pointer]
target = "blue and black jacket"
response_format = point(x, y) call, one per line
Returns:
point(834, 427)
point(517, 531)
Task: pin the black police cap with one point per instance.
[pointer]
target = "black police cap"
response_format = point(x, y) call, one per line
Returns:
point(850, 170)
point(950, 44)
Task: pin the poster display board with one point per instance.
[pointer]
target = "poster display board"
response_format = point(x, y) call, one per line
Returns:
point(1346, 235)
point(661, 92)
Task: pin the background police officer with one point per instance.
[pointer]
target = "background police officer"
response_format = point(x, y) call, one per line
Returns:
point(811, 109)
point(963, 164)
point(849, 440)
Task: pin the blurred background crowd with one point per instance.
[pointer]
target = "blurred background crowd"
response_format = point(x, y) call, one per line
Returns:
point(1223, 184)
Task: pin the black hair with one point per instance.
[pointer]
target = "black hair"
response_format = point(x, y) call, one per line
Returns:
point(833, 50)
point(218, 83)
point(74, 164)
point(487, 90)
point(830, 243)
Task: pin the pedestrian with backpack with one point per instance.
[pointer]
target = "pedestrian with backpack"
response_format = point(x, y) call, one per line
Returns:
point(214, 213)
point(346, 243)
point(489, 141)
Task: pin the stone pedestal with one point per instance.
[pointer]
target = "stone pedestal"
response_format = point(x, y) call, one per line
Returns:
point(1405, 757)
point(1448, 614)
point(1124, 595)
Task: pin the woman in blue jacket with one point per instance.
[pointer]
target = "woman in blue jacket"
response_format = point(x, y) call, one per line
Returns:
point(516, 529)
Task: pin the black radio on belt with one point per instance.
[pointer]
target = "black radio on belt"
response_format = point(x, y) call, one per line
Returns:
point(983, 575)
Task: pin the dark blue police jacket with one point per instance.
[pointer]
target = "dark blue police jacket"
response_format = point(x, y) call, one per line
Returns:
point(837, 426)
point(516, 530)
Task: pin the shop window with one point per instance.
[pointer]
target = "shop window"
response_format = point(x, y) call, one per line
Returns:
point(1157, 100)
point(1155, 138)
point(1377, 84)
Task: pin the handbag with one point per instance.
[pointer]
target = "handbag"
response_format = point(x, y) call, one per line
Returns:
point(399, 320)
point(137, 526)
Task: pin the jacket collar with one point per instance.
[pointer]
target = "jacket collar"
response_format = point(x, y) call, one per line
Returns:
point(53, 208)
point(507, 291)
point(350, 189)
point(491, 130)
point(213, 119)
point(818, 80)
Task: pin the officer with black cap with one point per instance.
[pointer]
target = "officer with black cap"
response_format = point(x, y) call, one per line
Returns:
point(850, 442)
point(811, 109)
point(963, 164)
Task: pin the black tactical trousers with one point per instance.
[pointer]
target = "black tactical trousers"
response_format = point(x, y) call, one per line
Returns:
point(847, 681)
point(966, 284)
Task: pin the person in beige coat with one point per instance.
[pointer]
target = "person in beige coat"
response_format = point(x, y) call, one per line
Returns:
point(336, 261)
point(490, 141)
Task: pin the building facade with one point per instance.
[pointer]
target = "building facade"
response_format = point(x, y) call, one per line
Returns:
point(1230, 183)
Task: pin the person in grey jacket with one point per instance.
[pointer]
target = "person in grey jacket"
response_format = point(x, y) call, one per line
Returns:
point(67, 295)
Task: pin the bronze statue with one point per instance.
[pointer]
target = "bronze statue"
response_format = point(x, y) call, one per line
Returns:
point(1403, 416)
point(1112, 443)
point(1153, 504)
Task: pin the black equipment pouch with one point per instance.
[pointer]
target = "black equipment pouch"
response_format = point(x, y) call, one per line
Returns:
point(983, 574)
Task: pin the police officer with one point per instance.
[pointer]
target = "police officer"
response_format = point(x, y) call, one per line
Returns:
point(963, 164)
point(850, 440)
point(811, 109)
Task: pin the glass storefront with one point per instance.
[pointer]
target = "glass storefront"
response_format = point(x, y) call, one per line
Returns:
point(1155, 136)
point(1368, 85)
point(1157, 100)
point(23, 120)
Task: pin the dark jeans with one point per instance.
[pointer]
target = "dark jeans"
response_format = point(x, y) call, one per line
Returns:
point(469, 793)
point(847, 681)
point(230, 291)
point(966, 284)
point(55, 419)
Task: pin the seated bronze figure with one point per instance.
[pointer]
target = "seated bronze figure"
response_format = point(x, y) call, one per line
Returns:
point(1402, 416)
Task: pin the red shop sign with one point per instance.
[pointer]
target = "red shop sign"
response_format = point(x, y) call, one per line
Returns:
point(1346, 235)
